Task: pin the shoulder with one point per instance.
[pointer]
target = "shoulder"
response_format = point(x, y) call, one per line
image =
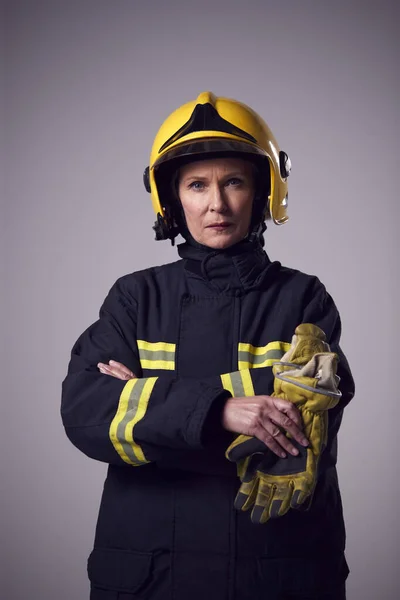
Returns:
point(298, 280)
point(128, 287)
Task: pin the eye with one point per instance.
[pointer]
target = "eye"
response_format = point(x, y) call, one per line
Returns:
point(196, 185)
point(235, 181)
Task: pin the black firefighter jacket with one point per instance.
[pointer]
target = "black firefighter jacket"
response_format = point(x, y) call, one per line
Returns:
point(195, 332)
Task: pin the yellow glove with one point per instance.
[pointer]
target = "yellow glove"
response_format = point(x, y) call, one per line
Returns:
point(306, 376)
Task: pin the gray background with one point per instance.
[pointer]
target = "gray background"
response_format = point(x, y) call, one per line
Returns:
point(87, 84)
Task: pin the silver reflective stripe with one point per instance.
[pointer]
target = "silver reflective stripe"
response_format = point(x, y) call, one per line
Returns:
point(257, 359)
point(156, 355)
point(237, 384)
point(322, 391)
point(132, 407)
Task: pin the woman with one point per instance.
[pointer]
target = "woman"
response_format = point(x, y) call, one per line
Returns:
point(196, 340)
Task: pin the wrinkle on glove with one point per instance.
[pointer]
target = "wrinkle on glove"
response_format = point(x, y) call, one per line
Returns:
point(306, 376)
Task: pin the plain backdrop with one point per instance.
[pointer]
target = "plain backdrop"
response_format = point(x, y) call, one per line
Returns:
point(86, 85)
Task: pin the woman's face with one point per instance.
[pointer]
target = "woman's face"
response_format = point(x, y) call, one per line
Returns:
point(217, 199)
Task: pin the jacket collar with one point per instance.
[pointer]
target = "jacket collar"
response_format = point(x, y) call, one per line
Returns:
point(237, 269)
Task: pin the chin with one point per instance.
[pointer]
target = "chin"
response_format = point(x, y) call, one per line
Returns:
point(221, 242)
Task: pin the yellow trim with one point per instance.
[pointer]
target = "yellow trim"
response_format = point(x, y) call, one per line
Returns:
point(138, 414)
point(168, 365)
point(227, 383)
point(244, 364)
point(156, 355)
point(247, 383)
point(257, 350)
point(155, 346)
point(119, 415)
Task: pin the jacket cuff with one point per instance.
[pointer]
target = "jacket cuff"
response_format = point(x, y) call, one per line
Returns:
point(205, 425)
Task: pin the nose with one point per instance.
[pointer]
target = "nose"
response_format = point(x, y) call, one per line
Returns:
point(217, 199)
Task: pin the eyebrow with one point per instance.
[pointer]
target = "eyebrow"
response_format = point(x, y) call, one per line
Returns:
point(204, 177)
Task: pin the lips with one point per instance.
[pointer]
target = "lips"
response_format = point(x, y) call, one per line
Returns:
point(222, 225)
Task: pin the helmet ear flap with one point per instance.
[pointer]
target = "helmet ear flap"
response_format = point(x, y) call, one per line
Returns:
point(285, 165)
point(146, 179)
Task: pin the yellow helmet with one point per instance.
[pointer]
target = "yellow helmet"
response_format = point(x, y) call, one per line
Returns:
point(210, 125)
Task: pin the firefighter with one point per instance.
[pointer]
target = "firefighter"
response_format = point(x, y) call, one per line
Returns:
point(219, 426)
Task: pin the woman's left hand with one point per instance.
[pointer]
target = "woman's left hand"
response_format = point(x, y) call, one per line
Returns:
point(116, 369)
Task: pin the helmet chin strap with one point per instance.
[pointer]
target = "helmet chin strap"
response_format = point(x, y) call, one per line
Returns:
point(256, 235)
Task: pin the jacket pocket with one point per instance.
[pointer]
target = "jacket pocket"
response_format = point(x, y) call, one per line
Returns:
point(119, 570)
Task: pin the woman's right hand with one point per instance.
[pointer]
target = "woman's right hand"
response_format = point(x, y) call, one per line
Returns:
point(266, 418)
point(116, 369)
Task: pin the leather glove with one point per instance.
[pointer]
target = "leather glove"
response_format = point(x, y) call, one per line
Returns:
point(306, 376)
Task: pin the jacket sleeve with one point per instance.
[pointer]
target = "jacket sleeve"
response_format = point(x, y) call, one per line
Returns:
point(138, 421)
point(322, 311)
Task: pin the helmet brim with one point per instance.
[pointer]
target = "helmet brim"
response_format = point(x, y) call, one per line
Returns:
point(201, 149)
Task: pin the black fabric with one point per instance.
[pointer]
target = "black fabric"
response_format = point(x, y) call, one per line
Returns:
point(179, 508)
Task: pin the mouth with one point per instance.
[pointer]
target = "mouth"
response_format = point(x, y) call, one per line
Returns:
point(220, 226)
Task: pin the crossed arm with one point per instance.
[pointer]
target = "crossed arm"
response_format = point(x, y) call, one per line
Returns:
point(260, 416)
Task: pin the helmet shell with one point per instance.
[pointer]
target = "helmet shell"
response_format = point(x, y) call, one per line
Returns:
point(209, 125)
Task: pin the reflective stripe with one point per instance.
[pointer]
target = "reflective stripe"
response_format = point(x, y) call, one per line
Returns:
point(227, 383)
point(238, 383)
point(154, 346)
point(255, 357)
point(132, 407)
point(247, 383)
point(156, 355)
point(167, 365)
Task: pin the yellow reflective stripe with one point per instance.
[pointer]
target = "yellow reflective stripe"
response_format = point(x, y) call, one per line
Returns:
point(227, 383)
point(121, 411)
point(156, 355)
point(141, 411)
point(247, 383)
point(238, 383)
point(132, 407)
point(244, 364)
point(243, 347)
point(155, 346)
point(168, 365)
point(256, 357)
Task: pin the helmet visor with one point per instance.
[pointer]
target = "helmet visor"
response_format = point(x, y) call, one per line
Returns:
point(195, 149)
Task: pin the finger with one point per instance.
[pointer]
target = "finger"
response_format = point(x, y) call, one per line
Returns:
point(106, 370)
point(288, 425)
point(281, 501)
point(121, 367)
point(290, 410)
point(281, 439)
point(305, 503)
point(247, 494)
point(261, 511)
point(298, 499)
point(269, 440)
point(276, 439)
